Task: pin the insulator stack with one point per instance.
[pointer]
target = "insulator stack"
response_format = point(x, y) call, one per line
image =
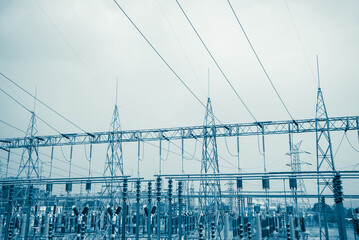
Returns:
point(200, 231)
point(338, 189)
point(158, 186)
point(180, 192)
point(170, 187)
point(124, 190)
point(241, 231)
point(149, 191)
point(249, 228)
point(138, 190)
point(213, 230)
point(288, 231)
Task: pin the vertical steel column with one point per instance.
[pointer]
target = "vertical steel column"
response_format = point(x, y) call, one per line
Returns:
point(180, 210)
point(170, 209)
point(28, 212)
point(138, 193)
point(124, 208)
point(149, 228)
point(325, 220)
point(338, 197)
point(9, 209)
point(158, 183)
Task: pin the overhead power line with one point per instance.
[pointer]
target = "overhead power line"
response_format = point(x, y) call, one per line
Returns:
point(73, 49)
point(258, 59)
point(159, 55)
point(8, 124)
point(47, 106)
point(216, 63)
point(22, 105)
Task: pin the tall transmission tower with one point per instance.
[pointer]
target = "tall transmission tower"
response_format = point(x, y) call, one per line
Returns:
point(114, 158)
point(325, 159)
point(210, 206)
point(29, 163)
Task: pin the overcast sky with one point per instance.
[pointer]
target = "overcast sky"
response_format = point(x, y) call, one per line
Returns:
point(73, 52)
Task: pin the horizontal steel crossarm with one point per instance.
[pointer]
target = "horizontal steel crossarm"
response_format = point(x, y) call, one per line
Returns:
point(194, 132)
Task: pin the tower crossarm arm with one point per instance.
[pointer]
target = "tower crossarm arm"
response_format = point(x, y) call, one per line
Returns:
point(194, 132)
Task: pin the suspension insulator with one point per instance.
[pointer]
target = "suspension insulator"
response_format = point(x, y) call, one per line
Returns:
point(239, 183)
point(265, 183)
point(68, 187)
point(49, 187)
point(88, 186)
point(293, 183)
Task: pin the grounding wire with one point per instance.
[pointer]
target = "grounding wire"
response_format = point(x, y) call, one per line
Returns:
point(47, 106)
point(22, 105)
point(12, 126)
point(73, 49)
point(168, 150)
point(259, 61)
point(216, 63)
point(159, 55)
point(233, 155)
point(181, 46)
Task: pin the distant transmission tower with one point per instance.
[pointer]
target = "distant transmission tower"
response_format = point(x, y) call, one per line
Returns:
point(209, 165)
point(114, 158)
point(29, 163)
point(296, 166)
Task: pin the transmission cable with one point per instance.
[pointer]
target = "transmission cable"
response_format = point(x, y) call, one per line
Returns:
point(299, 39)
point(214, 60)
point(29, 110)
point(159, 55)
point(259, 61)
point(73, 49)
point(8, 124)
point(53, 110)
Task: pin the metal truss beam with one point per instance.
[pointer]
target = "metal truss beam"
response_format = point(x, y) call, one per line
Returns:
point(194, 132)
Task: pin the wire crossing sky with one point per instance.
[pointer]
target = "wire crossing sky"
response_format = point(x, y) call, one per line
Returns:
point(74, 52)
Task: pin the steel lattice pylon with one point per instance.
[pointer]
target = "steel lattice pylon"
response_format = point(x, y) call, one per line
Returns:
point(114, 158)
point(325, 160)
point(29, 163)
point(296, 166)
point(210, 206)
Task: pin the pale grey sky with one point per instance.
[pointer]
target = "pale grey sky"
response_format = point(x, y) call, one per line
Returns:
point(74, 51)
